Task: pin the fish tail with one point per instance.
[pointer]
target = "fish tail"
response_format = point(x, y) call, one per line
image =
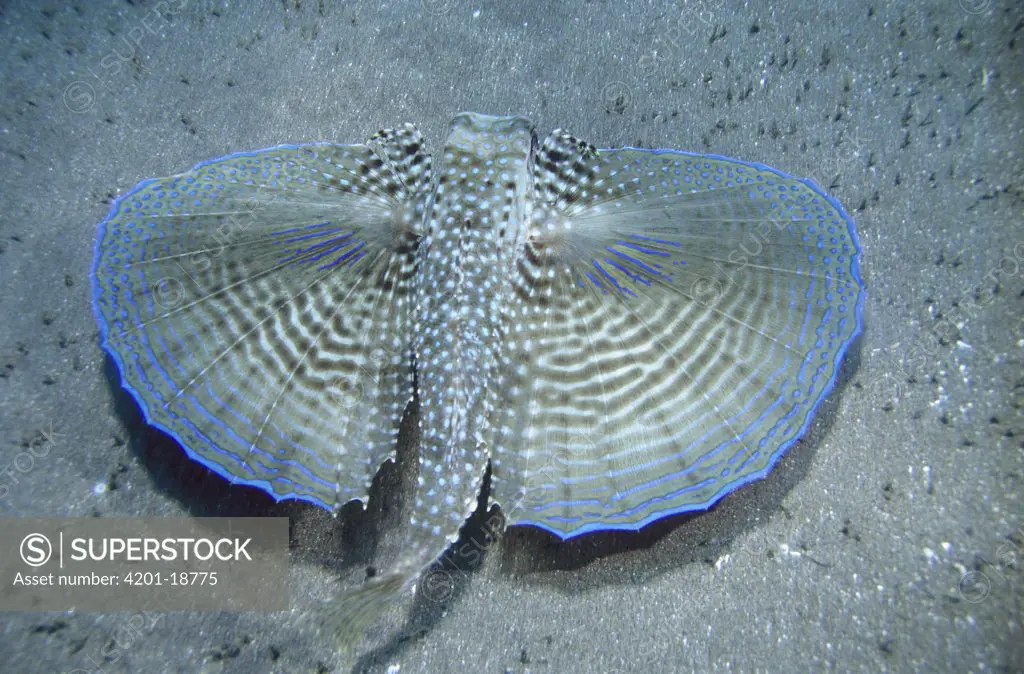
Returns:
point(348, 618)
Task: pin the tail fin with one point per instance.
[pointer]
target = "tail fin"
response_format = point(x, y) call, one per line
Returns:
point(347, 618)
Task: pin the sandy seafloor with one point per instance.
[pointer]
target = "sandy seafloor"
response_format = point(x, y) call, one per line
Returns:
point(848, 557)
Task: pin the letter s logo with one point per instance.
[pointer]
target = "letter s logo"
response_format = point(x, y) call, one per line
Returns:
point(36, 549)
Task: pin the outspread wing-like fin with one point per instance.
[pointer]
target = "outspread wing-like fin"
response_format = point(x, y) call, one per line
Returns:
point(257, 309)
point(675, 321)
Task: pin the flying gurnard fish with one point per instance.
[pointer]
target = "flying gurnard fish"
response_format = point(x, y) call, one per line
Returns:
point(619, 335)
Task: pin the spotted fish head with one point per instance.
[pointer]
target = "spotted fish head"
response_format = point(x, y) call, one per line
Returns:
point(485, 181)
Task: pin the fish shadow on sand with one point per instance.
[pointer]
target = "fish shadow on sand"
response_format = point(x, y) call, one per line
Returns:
point(536, 556)
point(358, 540)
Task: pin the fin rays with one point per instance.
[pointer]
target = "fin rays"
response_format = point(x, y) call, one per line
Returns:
point(231, 327)
point(709, 360)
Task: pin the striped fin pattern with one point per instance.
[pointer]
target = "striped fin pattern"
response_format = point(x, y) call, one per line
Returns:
point(677, 320)
point(256, 307)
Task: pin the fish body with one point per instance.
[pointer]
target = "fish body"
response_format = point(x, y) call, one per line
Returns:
point(476, 221)
point(618, 335)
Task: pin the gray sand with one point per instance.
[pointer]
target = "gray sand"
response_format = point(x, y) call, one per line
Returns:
point(849, 557)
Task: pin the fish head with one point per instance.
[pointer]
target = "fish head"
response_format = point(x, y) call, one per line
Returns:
point(485, 182)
